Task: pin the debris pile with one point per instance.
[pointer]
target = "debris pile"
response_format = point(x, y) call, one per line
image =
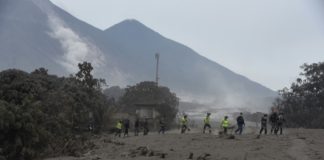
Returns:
point(144, 151)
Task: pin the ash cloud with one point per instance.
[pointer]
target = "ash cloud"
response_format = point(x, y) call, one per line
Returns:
point(76, 49)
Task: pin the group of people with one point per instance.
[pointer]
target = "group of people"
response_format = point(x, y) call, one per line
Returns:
point(124, 125)
point(276, 120)
point(225, 124)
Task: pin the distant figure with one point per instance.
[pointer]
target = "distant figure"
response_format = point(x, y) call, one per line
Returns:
point(184, 124)
point(264, 121)
point(145, 127)
point(225, 124)
point(240, 124)
point(273, 120)
point(91, 126)
point(118, 128)
point(280, 122)
point(126, 127)
point(207, 123)
point(162, 126)
point(136, 126)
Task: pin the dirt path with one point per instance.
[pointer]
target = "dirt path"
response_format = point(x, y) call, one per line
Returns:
point(174, 146)
point(306, 144)
point(297, 150)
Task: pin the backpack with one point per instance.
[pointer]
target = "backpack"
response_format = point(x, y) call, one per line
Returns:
point(240, 120)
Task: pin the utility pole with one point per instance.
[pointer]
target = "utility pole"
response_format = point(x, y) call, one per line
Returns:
point(157, 57)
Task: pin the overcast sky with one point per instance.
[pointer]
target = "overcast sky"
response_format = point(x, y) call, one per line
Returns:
point(264, 40)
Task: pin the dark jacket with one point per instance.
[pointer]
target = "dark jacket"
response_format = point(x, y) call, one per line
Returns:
point(137, 124)
point(126, 123)
point(273, 117)
point(264, 121)
point(240, 120)
point(280, 120)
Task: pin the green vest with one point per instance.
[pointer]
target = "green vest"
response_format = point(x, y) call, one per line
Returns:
point(225, 123)
point(207, 120)
point(184, 121)
point(119, 125)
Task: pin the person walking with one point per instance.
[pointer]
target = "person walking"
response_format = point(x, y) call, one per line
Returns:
point(136, 126)
point(126, 127)
point(225, 124)
point(162, 126)
point(264, 121)
point(240, 124)
point(273, 120)
point(118, 128)
point(145, 127)
point(280, 122)
point(207, 123)
point(184, 124)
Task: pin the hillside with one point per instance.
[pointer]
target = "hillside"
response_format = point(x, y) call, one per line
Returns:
point(36, 33)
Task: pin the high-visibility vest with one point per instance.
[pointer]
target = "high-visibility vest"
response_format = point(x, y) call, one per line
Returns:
point(119, 125)
point(184, 121)
point(225, 123)
point(207, 120)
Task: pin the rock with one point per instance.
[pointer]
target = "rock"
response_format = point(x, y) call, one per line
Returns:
point(303, 138)
point(151, 154)
point(231, 137)
point(190, 155)
point(124, 154)
point(203, 156)
point(163, 155)
point(143, 150)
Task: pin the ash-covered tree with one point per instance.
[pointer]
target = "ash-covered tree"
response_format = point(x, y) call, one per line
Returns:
point(149, 93)
point(93, 87)
point(303, 102)
point(86, 78)
point(38, 112)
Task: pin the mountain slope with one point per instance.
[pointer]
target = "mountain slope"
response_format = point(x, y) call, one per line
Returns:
point(182, 68)
point(36, 33)
point(24, 37)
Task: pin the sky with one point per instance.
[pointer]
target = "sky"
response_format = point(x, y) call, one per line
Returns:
point(264, 40)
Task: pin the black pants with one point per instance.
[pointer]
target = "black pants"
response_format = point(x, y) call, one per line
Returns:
point(118, 132)
point(239, 128)
point(274, 127)
point(162, 129)
point(145, 131)
point(225, 130)
point(279, 128)
point(263, 127)
point(183, 128)
point(126, 132)
point(207, 126)
point(136, 131)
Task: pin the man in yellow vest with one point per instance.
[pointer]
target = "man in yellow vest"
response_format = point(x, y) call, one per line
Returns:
point(118, 128)
point(184, 124)
point(225, 124)
point(207, 123)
